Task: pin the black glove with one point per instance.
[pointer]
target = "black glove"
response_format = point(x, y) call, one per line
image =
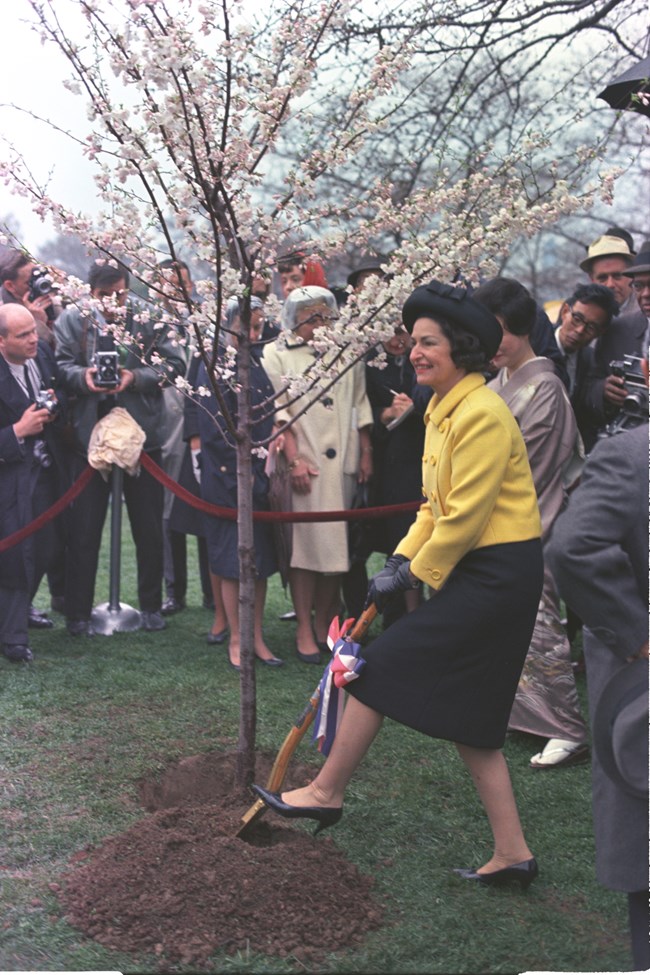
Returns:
point(395, 577)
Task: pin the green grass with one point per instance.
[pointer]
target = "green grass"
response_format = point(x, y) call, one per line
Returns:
point(90, 717)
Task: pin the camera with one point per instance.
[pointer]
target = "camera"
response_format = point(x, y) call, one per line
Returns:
point(634, 410)
point(40, 283)
point(42, 454)
point(45, 400)
point(107, 374)
point(630, 371)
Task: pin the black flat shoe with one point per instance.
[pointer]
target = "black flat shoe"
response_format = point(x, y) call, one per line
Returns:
point(325, 816)
point(523, 873)
point(216, 638)
point(308, 658)
point(270, 661)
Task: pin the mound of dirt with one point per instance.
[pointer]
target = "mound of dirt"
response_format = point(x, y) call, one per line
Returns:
point(182, 885)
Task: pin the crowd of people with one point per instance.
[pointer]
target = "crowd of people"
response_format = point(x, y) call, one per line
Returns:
point(524, 440)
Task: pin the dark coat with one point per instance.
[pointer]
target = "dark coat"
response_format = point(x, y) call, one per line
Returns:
point(397, 453)
point(598, 554)
point(625, 336)
point(219, 475)
point(19, 470)
point(77, 341)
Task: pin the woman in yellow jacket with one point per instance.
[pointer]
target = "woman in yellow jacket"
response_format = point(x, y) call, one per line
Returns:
point(450, 668)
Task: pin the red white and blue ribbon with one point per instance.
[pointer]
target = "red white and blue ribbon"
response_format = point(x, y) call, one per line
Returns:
point(346, 665)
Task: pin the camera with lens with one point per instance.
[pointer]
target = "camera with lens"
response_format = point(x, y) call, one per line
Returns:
point(107, 375)
point(45, 400)
point(40, 283)
point(634, 410)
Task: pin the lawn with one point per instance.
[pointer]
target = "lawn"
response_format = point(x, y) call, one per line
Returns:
point(89, 718)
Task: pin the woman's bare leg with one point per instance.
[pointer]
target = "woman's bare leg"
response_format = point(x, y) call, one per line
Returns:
point(219, 622)
point(489, 771)
point(302, 583)
point(357, 731)
point(327, 603)
point(261, 649)
point(230, 595)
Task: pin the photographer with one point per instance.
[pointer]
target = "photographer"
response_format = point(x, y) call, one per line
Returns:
point(29, 470)
point(605, 390)
point(105, 358)
point(31, 285)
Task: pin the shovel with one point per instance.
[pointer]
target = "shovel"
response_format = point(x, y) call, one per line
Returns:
point(300, 726)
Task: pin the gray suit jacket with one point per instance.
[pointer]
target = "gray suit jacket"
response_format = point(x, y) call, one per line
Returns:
point(598, 554)
point(76, 342)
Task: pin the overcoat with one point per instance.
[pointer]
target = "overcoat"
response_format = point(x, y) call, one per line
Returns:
point(76, 343)
point(219, 473)
point(18, 472)
point(327, 436)
point(598, 553)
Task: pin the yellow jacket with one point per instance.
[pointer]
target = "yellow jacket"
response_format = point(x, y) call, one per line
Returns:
point(476, 478)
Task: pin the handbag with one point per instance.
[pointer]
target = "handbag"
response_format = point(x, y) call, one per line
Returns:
point(280, 499)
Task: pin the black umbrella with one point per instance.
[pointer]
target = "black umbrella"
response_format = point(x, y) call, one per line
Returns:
point(631, 90)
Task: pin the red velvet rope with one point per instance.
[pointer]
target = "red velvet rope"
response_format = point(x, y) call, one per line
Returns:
point(353, 514)
point(348, 514)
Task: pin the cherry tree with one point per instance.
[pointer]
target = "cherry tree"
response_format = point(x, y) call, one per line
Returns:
point(225, 134)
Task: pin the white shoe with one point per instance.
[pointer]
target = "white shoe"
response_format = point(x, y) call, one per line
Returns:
point(558, 752)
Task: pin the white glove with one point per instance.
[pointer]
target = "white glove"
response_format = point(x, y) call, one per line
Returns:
point(196, 465)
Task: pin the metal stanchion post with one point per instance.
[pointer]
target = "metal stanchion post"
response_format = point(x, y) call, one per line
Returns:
point(114, 616)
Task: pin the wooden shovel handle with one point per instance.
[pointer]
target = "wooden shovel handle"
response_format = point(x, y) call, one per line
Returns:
point(304, 720)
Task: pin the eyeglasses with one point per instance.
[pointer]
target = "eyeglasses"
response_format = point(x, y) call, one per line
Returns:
point(590, 328)
point(641, 284)
point(318, 319)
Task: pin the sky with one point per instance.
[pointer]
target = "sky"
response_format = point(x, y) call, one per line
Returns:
point(32, 75)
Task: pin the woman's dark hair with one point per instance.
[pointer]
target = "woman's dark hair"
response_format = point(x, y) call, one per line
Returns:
point(466, 349)
point(106, 275)
point(509, 300)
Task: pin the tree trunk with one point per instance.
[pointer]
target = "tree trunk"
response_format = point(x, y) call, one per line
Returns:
point(246, 549)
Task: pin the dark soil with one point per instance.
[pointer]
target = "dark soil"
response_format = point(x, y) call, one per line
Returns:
point(181, 884)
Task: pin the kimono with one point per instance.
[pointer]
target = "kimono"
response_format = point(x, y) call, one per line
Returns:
point(546, 702)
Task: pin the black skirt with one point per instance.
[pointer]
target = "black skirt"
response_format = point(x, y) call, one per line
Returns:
point(451, 667)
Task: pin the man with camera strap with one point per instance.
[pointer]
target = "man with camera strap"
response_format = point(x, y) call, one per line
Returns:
point(29, 470)
point(106, 355)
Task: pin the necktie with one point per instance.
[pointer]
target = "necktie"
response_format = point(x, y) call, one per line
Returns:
point(28, 385)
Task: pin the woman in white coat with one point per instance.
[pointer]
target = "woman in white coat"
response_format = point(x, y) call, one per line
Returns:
point(328, 451)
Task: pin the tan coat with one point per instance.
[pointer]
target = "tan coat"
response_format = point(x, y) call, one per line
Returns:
point(327, 437)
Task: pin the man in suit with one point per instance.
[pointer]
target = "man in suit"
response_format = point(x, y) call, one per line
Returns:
point(584, 317)
point(137, 387)
point(598, 554)
point(23, 282)
point(605, 392)
point(607, 260)
point(28, 471)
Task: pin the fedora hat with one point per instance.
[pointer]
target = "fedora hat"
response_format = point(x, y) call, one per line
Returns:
point(606, 246)
point(620, 728)
point(641, 263)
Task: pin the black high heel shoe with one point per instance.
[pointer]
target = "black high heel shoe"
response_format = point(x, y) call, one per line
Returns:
point(523, 873)
point(324, 815)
